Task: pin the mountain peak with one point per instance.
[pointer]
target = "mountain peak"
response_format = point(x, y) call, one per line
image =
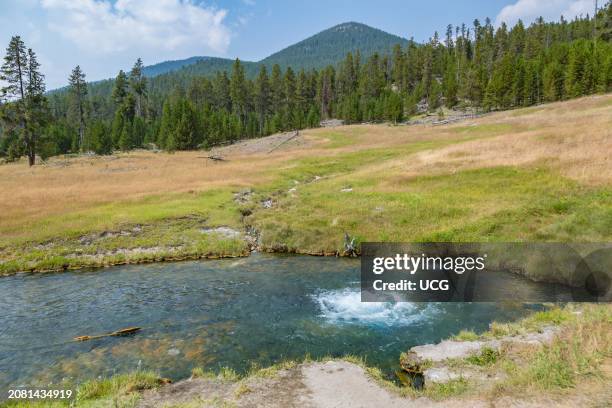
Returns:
point(350, 25)
point(330, 46)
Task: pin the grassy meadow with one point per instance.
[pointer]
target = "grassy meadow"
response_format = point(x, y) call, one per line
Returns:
point(541, 174)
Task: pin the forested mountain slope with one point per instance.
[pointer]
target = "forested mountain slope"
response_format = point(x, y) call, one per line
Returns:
point(168, 66)
point(329, 47)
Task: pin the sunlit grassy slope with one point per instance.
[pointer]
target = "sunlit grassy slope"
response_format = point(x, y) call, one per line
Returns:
point(540, 173)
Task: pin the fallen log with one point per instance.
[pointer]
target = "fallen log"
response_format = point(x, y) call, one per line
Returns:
point(213, 157)
point(123, 332)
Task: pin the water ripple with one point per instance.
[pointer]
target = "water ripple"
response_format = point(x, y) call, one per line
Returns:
point(345, 306)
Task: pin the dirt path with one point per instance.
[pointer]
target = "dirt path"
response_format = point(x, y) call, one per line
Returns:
point(340, 384)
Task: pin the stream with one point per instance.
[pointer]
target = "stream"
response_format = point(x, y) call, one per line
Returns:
point(232, 313)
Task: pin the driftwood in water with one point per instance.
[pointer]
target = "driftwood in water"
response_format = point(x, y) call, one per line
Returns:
point(123, 332)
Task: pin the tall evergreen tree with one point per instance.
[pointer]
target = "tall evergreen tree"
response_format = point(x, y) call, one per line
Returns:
point(120, 89)
point(138, 83)
point(14, 70)
point(14, 74)
point(262, 97)
point(239, 91)
point(36, 107)
point(277, 93)
point(78, 90)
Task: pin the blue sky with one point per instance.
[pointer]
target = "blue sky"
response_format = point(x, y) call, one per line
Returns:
point(106, 35)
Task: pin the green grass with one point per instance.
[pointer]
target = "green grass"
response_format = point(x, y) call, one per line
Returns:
point(215, 206)
point(535, 322)
point(452, 388)
point(487, 357)
point(553, 315)
point(171, 225)
point(466, 335)
point(121, 390)
point(492, 204)
point(574, 356)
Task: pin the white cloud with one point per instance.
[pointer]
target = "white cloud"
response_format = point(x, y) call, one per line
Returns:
point(529, 10)
point(177, 26)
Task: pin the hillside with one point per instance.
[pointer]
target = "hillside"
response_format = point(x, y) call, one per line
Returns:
point(168, 66)
point(329, 47)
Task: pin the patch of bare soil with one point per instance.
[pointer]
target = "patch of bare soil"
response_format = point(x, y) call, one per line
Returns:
point(281, 391)
point(268, 144)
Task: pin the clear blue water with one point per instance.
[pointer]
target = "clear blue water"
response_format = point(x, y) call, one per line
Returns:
point(211, 314)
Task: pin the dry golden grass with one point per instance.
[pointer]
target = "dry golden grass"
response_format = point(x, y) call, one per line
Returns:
point(65, 185)
point(573, 137)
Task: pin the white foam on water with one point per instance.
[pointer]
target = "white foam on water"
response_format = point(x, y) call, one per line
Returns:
point(345, 306)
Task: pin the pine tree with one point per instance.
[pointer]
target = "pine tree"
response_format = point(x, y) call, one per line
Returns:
point(100, 139)
point(138, 83)
point(290, 88)
point(553, 82)
point(221, 90)
point(262, 97)
point(394, 108)
point(167, 125)
point(450, 85)
point(14, 75)
point(326, 91)
point(125, 139)
point(78, 90)
point(120, 88)
point(347, 77)
point(117, 127)
point(302, 94)
point(14, 70)
point(36, 107)
point(277, 94)
point(238, 91)
point(603, 24)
